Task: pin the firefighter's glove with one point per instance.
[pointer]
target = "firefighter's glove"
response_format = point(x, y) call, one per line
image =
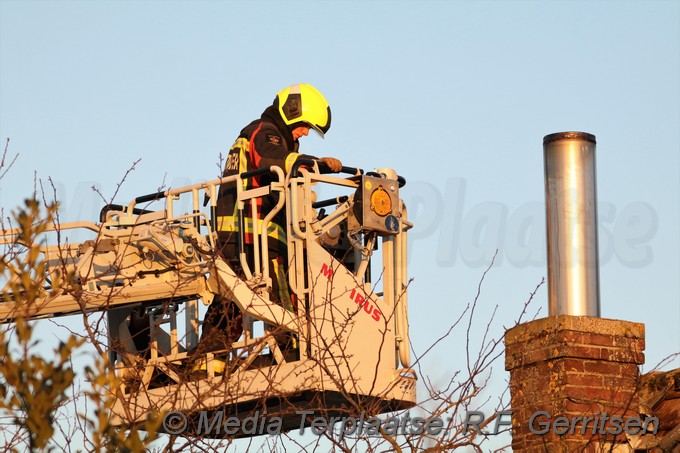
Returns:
point(333, 164)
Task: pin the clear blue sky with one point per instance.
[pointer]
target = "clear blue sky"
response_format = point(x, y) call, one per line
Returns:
point(456, 96)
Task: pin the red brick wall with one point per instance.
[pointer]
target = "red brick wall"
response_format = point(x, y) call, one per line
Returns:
point(572, 366)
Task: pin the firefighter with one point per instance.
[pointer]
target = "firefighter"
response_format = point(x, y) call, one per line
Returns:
point(271, 140)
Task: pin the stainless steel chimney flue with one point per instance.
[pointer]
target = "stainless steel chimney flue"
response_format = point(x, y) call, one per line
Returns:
point(571, 224)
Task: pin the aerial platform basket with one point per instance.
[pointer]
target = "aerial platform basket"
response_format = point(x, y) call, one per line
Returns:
point(343, 350)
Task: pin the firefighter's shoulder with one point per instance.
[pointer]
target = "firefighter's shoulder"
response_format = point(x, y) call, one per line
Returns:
point(270, 135)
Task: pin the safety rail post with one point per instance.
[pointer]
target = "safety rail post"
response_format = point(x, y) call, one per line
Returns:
point(401, 269)
point(296, 236)
point(194, 208)
point(263, 227)
point(174, 345)
point(257, 270)
point(241, 228)
point(191, 324)
point(213, 207)
point(388, 281)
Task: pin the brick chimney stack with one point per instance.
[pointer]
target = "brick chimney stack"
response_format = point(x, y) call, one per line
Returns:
point(572, 366)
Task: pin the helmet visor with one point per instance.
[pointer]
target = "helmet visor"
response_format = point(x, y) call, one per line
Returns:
point(321, 129)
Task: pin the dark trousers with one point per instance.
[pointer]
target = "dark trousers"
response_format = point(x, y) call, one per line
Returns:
point(223, 322)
